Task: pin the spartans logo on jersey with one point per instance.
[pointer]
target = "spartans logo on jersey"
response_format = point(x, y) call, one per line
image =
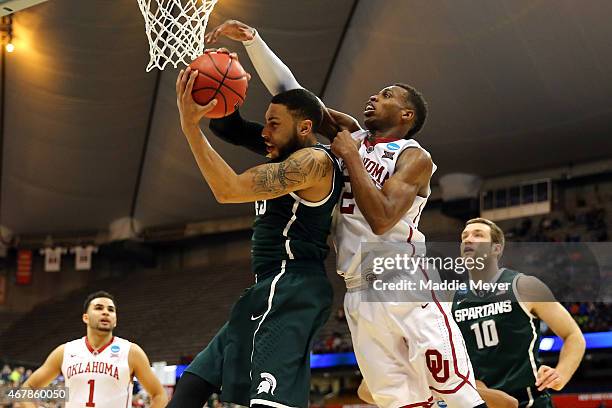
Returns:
point(268, 385)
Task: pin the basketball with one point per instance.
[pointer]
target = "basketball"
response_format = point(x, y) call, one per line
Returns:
point(222, 77)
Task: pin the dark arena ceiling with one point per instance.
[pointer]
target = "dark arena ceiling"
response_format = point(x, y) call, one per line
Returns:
point(89, 137)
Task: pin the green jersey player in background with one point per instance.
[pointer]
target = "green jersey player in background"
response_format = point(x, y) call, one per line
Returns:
point(501, 328)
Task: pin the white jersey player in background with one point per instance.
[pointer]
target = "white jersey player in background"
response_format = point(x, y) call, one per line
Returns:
point(407, 353)
point(99, 368)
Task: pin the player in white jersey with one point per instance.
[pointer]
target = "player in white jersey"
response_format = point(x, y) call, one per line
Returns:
point(99, 368)
point(407, 353)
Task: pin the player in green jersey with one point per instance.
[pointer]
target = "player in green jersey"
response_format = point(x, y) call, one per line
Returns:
point(261, 356)
point(501, 327)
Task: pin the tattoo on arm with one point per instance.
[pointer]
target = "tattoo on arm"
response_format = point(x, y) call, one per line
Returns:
point(298, 169)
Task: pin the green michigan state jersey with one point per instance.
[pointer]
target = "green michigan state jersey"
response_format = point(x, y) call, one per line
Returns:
point(501, 336)
point(291, 228)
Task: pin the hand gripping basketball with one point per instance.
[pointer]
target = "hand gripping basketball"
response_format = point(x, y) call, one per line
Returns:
point(221, 77)
point(190, 112)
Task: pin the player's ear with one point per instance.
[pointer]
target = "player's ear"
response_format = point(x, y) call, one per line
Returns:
point(305, 127)
point(497, 249)
point(85, 318)
point(408, 115)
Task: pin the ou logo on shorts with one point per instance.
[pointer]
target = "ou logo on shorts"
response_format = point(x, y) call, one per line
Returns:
point(437, 366)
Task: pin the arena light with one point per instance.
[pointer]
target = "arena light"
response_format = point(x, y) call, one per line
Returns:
point(547, 343)
point(6, 30)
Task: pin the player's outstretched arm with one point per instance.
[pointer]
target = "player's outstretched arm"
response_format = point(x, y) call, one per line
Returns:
point(303, 169)
point(495, 398)
point(383, 208)
point(562, 324)
point(275, 75)
point(141, 368)
point(240, 132)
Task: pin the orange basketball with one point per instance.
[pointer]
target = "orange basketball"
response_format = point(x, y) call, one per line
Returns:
point(220, 77)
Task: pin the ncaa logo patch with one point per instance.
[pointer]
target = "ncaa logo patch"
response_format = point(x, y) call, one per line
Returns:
point(115, 348)
point(393, 146)
point(441, 404)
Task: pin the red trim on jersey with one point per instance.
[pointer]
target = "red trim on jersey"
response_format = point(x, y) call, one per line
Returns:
point(464, 377)
point(127, 399)
point(423, 404)
point(101, 349)
point(378, 140)
point(410, 235)
point(419, 213)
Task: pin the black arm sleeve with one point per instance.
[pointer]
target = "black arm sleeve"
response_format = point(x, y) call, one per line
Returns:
point(238, 131)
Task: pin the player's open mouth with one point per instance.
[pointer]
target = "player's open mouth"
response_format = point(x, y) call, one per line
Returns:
point(269, 147)
point(369, 108)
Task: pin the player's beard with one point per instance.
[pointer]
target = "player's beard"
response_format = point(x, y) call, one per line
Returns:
point(293, 144)
point(98, 326)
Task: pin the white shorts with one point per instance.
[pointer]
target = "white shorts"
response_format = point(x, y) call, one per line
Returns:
point(410, 352)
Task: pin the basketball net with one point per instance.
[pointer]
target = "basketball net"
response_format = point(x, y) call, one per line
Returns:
point(175, 30)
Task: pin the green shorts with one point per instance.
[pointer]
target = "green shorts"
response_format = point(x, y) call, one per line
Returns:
point(540, 399)
point(262, 354)
point(543, 401)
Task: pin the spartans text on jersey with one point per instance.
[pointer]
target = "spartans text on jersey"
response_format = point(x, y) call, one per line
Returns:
point(487, 310)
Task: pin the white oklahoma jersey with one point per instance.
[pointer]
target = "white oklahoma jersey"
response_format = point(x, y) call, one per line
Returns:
point(408, 352)
point(99, 379)
point(351, 226)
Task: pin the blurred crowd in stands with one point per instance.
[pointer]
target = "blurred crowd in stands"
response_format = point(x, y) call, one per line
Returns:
point(586, 225)
point(15, 376)
point(591, 317)
point(338, 339)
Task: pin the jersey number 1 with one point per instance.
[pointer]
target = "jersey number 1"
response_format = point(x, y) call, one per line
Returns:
point(487, 335)
point(92, 384)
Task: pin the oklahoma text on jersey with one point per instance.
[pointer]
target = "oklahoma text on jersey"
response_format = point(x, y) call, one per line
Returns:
point(99, 367)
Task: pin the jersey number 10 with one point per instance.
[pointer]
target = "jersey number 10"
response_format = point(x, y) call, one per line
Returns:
point(486, 334)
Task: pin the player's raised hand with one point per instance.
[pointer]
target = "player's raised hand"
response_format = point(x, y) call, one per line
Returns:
point(223, 50)
point(549, 377)
point(232, 29)
point(191, 112)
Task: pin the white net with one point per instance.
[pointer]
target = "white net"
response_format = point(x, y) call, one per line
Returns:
point(175, 30)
